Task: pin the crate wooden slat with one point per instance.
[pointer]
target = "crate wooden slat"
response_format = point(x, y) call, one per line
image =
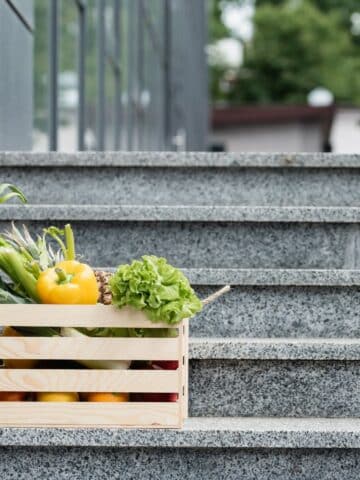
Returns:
point(74, 316)
point(127, 414)
point(46, 380)
point(185, 367)
point(80, 348)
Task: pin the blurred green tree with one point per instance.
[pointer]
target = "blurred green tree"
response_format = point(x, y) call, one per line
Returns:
point(296, 47)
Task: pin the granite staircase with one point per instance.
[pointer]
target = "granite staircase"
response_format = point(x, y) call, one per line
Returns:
point(274, 364)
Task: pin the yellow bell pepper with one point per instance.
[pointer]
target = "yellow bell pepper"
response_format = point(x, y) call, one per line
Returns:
point(69, 282)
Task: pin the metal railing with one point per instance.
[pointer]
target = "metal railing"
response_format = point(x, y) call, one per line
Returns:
point(142, 49)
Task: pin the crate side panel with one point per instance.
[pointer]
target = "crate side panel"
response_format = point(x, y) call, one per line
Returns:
point(59, 348)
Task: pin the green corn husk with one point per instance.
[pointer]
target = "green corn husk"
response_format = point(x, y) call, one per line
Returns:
point(8, 191)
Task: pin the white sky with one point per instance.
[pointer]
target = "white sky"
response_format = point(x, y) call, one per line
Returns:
point(239, 19)
point(229, 51)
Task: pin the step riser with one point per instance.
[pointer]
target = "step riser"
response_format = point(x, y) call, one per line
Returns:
point(280, 311)
point(217, 245)
point(274, 388)
point(179, 464)
point(187, 186)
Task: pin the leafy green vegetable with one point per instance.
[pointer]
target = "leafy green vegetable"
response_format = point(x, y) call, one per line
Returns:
point(104, 332)
point(153, 332)
point(159, 289)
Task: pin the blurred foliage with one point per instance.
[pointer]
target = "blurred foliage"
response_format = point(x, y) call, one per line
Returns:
point(344, 8)
point(297, 45)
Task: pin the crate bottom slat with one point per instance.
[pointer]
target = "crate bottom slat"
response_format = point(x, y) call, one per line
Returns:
point(87, 414)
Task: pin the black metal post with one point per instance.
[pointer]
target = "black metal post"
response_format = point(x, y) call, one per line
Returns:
point(117, 74)
point(53, 24)
point(81, 73)
point(167, 75)
point(101, 64)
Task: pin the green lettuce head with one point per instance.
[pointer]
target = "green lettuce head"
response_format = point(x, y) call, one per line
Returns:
point(157, 288)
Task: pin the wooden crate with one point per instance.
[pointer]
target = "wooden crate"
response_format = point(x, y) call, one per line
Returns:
point(127, 414)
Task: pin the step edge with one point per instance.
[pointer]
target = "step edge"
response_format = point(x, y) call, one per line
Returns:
point(269, 277)
point(277, 348)
point(180, 213)
point(182, 160)
point(216, 432)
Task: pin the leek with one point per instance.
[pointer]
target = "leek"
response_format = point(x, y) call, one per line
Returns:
point(98, 364)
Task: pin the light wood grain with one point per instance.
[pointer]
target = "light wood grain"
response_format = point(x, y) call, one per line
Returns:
point(90, 414)
point(58, 348)
point(56, 380)
point(74, 316)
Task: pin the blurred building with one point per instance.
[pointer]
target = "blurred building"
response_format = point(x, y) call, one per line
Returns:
point(272, 128)
point(345, 133)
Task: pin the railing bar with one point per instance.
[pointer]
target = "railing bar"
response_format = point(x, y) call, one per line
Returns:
point(117, 72)
point(53, 55)
point(81, 73)
point(140, 72)
point(167, 75)
point(101, 63)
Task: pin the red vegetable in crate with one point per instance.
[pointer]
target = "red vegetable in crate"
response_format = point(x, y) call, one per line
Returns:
point(12, 396)
point(165, 364)
point(154, 397)
point(157, 396)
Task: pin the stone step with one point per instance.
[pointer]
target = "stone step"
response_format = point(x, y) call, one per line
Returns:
point(278, 303)
point(218, 237)
point(185, 179)
point(284, 377)
point(211, 448)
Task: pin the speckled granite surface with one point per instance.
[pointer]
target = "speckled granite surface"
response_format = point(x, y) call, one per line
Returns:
point(278, 303)
point(293, 388)
point(211, 244)
point(200, 159)
point(177, 464)
point(274, 377)
point(280, 311)
point(191, 185)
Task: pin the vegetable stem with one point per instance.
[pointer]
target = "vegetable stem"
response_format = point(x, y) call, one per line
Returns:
point(70, 242)
point(62, 276)
point(216, 295)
